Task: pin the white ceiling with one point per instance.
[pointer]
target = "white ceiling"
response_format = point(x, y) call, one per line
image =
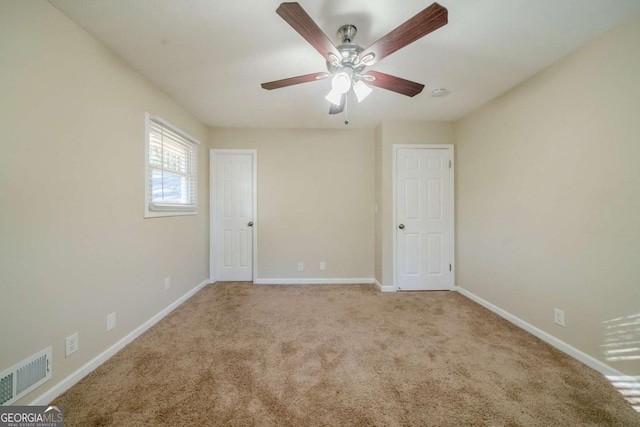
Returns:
point(211, 56)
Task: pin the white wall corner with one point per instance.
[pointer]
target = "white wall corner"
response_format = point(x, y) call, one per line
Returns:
point(68, 382)
point(383, 288)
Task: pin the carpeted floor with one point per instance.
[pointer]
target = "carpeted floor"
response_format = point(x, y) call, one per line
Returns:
point(238, 354)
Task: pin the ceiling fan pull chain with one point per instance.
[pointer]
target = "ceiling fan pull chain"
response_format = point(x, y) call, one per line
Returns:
point(346, 109)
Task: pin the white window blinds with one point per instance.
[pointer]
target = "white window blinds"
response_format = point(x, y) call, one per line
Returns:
point(171, 170)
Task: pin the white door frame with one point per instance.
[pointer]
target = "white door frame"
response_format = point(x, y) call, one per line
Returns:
point(394, 225)
point(213, 155)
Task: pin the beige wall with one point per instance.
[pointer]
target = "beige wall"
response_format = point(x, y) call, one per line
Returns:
point(315, 199)
point(548, 201)
point(74, 246)
point(399, 132)
point(546, 195)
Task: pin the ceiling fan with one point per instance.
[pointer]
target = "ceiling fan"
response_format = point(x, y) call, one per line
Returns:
point(347, 62)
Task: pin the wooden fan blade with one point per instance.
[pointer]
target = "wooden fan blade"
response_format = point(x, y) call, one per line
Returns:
point(337, 109)
point(295, 16)
point(395, 84)
point(430, 19)
point(294, 80)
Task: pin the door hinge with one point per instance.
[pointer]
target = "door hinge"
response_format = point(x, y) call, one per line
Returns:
point(449, 267)
point(449, 164)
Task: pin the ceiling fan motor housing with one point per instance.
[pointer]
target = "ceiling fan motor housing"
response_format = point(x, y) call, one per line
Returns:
point(347, 33)
point(350, 52)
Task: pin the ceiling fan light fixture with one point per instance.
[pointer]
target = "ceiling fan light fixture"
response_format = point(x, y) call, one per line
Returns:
point(361, 90)
point(334, 97)
point(341, 83)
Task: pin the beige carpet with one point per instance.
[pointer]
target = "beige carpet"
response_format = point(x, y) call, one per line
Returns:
point(238, 354)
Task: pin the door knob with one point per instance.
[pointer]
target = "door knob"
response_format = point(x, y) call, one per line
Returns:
point(401, 226)
point(250, 224)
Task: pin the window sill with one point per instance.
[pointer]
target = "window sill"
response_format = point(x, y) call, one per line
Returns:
point(157, 214)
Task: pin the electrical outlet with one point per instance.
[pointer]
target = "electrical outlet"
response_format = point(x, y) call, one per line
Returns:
point(323, 265)
point(300, 266)
point(167, 283)
point(558, 316)
point(71, 344)
point(111, 321)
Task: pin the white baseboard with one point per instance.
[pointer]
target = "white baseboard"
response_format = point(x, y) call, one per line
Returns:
point(314, 281)
point(321, 281)
point(48, 396)
point(383, 288)
point(590, 361)
point(68, 382)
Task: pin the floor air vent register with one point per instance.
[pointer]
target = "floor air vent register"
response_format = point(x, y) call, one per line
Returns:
point(25, 377)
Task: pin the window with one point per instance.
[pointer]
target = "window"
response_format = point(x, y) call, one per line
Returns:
point(171, 179)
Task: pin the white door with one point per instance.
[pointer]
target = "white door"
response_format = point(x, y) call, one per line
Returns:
point(233, 178)
point(424, 220)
